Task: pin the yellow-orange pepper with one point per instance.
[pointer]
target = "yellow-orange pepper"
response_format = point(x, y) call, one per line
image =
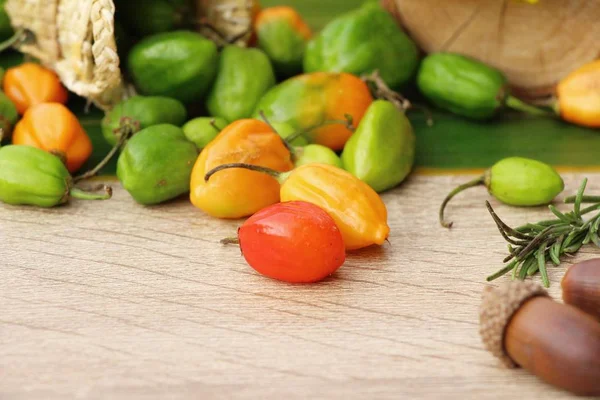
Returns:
point(238, 193)
point(30, 84)
point(358, 211)
point(52, 127)
point(578, 96)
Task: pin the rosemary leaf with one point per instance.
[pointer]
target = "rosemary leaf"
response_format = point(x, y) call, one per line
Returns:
point(563, 217)
point(584, 199)
point(587, 239)
point(541, 261)
point(579, 198)
point(505, 270)
point(595, 238)
point(525, 267)
point(555, 250)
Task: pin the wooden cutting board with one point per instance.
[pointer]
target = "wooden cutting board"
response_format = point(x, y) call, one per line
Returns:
point(115, 300)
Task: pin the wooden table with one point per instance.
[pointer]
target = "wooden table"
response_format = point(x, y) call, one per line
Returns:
point(113, 300)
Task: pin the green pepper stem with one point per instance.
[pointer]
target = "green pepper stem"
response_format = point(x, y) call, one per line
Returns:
point(287, 145)
point(381, 90)
point(126, 131)
point(475, 182)
point(516, 104)
point(348, 122)
point(213, 123)
point(426, 111)
point(83, 195)
point(280, 176)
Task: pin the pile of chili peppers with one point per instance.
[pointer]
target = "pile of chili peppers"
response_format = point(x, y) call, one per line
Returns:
point(300, 132)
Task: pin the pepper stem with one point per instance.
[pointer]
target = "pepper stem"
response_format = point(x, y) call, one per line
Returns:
point(287, 144)
point(83, 195)
point(348, 122)
point(126, 131)
point(21, 36)
point(516, 104)
point(219, 37)
point(275, 174)
point(475, 182)
point(381, 90)
point(213, 123)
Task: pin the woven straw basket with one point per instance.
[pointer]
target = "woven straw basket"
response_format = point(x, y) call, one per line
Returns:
point(76, 39)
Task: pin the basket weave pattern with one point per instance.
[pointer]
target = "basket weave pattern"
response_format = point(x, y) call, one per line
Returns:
point(76, 39)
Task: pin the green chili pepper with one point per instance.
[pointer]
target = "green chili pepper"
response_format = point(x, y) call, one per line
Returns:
point(283, 35)
point(152, 16)
point(362, 41)
point(201, 131)
point(156, 164)
point(316, 154)
point(382, 150)
point(467, 87)
point(8, 116)
point(179, 64)
point(142, 112)
point(6, 29)
point(244, 76)
point(515, 181)
point(31, 176)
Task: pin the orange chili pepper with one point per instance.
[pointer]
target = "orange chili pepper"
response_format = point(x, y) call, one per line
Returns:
point(310, 100)
point(287, 14)
point(283, 35)
point(30, 84)
point(578, 96)
point(239, 193)
point(52, 127)
point(358, 211)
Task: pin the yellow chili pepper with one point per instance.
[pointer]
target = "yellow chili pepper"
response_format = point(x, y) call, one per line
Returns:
point(239, 193)
point(578, 96)
point(358, 211)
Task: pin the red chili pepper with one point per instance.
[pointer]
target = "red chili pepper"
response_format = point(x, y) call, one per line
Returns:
point(294, 242)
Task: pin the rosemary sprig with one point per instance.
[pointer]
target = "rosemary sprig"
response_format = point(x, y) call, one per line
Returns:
point(533, 245)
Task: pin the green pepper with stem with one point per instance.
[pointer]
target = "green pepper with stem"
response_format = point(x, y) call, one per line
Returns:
point(156, 164)
point(31, 176)
point(467, 87)
point(515, 181)
point(381, 152)
point(142, 112)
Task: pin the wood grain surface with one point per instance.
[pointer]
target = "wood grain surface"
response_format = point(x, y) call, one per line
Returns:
point(111, 300)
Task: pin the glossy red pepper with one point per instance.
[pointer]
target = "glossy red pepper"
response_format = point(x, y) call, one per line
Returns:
point(296, 242)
